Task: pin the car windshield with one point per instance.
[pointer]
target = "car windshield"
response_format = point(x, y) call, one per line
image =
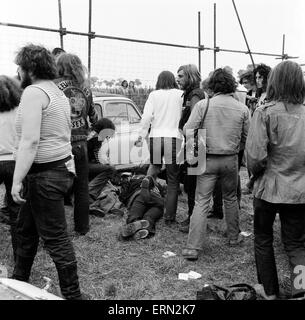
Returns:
point(121, 112)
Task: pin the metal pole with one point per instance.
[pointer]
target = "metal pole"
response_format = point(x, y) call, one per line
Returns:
point(60, 25)
point(199, 42)
point(242, 29)
point(93, 35)
point(215, 50)
point(89, 38)
point(283, 48)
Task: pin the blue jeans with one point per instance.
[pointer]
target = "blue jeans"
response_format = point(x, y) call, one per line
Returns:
point(151, 210)
point(80, 187)
point(224, 168)
point(292, 218)
point(6, 177)
point(167, 148)
point(43, 215)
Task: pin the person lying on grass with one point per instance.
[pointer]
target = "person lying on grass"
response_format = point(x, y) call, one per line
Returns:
point(146, 206)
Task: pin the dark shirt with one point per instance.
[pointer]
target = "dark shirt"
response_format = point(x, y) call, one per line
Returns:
point(82, 107)
point(186, 107)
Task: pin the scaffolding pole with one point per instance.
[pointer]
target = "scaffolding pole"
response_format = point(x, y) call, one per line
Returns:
point(243, 32)
point(283, 48)
point(62, 30)
point(91, 35)
point(199, 42)
point(215, 46)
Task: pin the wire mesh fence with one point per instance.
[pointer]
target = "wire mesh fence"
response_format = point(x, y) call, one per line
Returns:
point(109, 59)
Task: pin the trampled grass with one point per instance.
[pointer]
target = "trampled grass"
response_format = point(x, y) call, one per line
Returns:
point(112, 269)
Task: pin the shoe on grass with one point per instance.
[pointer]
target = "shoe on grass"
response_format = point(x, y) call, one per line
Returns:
point(260, 291)
point(190, 254)
point(130, 229)
point(141, 234)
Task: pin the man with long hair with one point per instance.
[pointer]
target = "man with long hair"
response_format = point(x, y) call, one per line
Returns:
point(72, 82)
point(275, 151)
point(45, 165)
point(189, 78)
point(226, 124)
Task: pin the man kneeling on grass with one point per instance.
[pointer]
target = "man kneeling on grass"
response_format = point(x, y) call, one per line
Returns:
point(146, 208)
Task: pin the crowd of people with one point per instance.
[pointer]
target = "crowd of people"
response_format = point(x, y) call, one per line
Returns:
point(46, 155)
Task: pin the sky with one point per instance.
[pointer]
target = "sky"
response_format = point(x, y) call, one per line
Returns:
point(170, 21)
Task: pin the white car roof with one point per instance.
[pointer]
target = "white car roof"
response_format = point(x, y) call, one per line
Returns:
point(115, 98)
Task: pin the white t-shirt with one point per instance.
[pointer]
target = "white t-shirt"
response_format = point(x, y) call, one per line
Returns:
point(162, 111)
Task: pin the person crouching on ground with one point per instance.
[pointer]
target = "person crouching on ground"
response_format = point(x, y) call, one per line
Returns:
point(145, 210)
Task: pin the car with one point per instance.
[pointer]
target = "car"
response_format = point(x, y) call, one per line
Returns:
point(120, 151)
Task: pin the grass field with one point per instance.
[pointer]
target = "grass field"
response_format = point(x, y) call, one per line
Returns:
point(111, 269)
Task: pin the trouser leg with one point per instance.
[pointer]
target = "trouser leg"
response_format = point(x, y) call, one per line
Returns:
point(27, 243)
point(229, 179)
point(198, 223)
point(137, 210)
point(47, 191)
point(80, 188)
point(264, 215)
point(293, 236)
point(190, 187)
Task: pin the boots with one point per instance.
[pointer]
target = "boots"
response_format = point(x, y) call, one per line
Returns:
point(22, 269)
point(68, 281)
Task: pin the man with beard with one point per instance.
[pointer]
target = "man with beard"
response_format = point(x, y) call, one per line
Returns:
point(45, 167)
point(189, 80)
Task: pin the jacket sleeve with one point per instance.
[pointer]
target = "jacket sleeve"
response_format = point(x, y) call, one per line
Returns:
point(245, 129)
point(146, 117)
point(195, 118)
point(257, 143)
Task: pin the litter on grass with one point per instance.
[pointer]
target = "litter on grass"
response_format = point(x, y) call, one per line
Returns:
point(192, 275)
point(246, 233)
point(168, 254)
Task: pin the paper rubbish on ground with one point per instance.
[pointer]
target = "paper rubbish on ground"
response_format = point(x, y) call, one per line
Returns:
point(168, 254)
point(183, 276)
point(192, 275)
point(246, 233)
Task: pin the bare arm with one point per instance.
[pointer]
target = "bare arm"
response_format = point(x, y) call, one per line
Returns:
point(33, 100)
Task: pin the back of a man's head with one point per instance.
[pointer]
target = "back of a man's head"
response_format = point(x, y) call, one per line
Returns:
point(38, 61)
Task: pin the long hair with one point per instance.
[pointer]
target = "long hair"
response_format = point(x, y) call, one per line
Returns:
point(69, 66)
point(38, 61)
point(10, 93)
point(286, 83)
point(222, 81)
point(192, 75)
point(166, 80)
point(247, 76)
point(264, 71)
